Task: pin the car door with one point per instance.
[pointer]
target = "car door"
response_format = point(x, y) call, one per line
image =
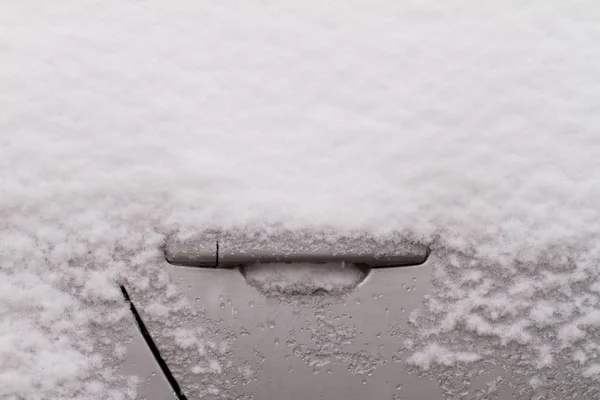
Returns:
point(290, 330)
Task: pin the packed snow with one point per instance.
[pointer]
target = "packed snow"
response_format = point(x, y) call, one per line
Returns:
point(303, 278)
point(469, 127)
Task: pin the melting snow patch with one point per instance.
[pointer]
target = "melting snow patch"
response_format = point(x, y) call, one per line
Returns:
point(435, 353)
point(592, 371)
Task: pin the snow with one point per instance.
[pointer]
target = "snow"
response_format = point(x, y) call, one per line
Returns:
point(300, 279)
point(435, 353)
point(468, 127)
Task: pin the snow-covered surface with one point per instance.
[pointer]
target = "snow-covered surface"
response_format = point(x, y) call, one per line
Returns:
point(434, 353)
point(469, 126)
point(303, 278)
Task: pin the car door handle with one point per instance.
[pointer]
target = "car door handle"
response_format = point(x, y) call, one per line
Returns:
point(220, 256)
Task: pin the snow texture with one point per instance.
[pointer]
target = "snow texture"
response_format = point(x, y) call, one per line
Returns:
point(300, 279)
point(465, 125)
point(434, 353)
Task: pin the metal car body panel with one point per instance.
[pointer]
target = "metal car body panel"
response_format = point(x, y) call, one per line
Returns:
point(349, 346)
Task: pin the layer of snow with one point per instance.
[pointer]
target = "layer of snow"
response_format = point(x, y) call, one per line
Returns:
point(303, 278)
point(434, 353)
point(470, 127)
